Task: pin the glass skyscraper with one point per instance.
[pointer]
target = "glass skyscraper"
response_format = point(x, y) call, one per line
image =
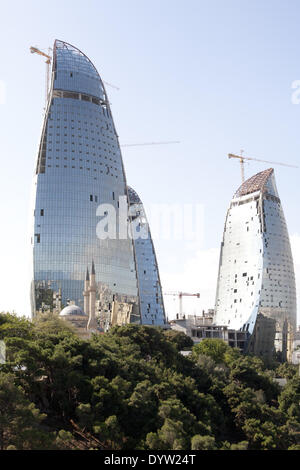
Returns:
point(256, 284)
point(79, 167)
point(150, 293)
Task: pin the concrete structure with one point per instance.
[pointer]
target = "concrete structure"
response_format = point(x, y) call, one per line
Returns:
point(205, 319)
point(256, 290)
point(199, 328)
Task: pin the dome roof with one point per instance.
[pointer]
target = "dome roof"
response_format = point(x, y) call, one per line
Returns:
point(72, 310)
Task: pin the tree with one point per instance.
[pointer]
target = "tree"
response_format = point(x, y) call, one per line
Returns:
point(142, 408)
point(19, 419)
point(286, 370)
point(85, 415)
point(250, 371)
point(110, 432)
point(203, 442)
point(132, 389)
point(180, 340)
point(263, 435)
point(243, 445)
point(151, 341)
point(289, 399)
point(12, 326)
point(214, 348)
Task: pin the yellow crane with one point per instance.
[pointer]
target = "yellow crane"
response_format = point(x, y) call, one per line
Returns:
point(35, 50)
point(242, 162)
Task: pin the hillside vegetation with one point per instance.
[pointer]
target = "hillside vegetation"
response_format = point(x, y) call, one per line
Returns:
point(132, 389)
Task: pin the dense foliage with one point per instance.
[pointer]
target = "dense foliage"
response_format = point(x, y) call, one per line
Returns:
point(131, 388)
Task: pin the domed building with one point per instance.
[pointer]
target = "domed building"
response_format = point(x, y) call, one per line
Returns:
point(72, 310)
point(85, 323)
point(77, 318)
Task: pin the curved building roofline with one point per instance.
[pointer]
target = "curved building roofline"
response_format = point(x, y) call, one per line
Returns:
point(255, 183)
point(70, 47)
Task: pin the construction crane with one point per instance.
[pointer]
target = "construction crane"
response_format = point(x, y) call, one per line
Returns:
point(151, 143)
point(242, 162)
point(35, 50)
point(112, 86)
point(180, 295)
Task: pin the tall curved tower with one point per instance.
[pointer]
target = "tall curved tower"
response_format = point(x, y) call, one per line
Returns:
point(79, 166)
point(256, 289)
point(150, 292)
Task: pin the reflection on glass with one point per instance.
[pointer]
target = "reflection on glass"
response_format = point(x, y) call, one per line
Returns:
point(151, 299)
point(79, 166)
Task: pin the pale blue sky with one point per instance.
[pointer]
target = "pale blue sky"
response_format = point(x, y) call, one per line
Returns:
point(215, 75)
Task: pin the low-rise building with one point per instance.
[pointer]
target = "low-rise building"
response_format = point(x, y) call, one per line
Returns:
point(202, 327)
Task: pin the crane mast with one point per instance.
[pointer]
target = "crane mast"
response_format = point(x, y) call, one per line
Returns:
point(180, 295)
point(242, 162)
point(35, 50)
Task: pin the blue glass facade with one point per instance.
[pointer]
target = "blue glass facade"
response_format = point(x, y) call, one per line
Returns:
point(79, 166)
point(150, 292)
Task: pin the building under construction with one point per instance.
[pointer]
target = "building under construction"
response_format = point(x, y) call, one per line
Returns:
point(256, 290)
